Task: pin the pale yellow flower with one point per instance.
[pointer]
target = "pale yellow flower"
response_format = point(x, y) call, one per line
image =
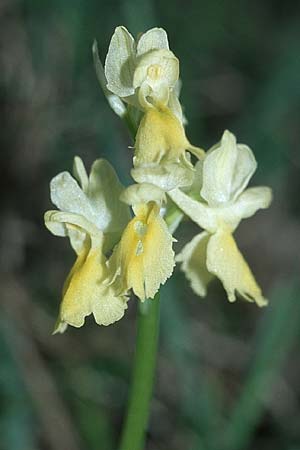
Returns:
point(162, 151)
point(93, 218)
point(144, 72)
point(144, 258)
point(218, 207)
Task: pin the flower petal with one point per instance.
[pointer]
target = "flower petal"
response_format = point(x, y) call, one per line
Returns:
point(218, 169)
point(84, 293)
point(67, 196)
point(144, 254)
point(156, 38)
point(157, 66)
point(109, 213)
point(227, 169)
point(56, 227)
point(244, 169)
point(80, 173)
point(199, 212)
point(54, 217)
point(119, 63)
point(196, 186)
point(114, 101)
point(193, 259)
point(166, 176)
point(73, 225)
point(175, 106)
point(226, 262)
point(142, 193)
point(109, 307)
point(251, 200)
point(99, 203)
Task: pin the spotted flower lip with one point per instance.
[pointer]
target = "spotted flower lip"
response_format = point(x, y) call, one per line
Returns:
point(144, 258)
point(218, 207)
point(144, 72)
point(92, 216)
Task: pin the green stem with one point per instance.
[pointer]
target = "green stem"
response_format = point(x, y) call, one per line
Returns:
point(133, 435)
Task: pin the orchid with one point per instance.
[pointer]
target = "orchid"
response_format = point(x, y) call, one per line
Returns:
point(93, 218)
point(218, 207)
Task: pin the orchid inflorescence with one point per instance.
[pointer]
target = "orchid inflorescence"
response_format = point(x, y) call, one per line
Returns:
point(117, 253)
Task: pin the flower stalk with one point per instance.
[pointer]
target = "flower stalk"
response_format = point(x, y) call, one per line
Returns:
point(135, 424)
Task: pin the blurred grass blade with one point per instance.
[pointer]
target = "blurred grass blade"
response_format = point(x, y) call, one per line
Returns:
point(199, 404)
point(277, 332)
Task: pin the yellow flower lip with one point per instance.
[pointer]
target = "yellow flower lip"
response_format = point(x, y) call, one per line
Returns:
point(140, 228)
point(91, 215)
point(144, 255)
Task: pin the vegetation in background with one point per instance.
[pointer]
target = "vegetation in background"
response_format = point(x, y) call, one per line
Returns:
point(228, 375)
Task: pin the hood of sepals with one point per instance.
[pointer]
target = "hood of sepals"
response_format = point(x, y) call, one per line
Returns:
point(226, 171)
point(218, 197)
point(142, 72)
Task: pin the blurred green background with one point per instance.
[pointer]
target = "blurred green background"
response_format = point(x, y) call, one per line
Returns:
point(228, 375)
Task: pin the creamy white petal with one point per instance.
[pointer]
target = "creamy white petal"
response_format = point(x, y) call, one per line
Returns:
point(218, 171)
point(100, 204)
point(227, 169)
point(245, 167)
point(151, 94)
point(226, 262)
point(77, 237)
point(175, 106)
point(119, 63)
point(104, 190)
point(251, 201)
point(157, 66)
point(166, 176)
point(156, 38)
point(59, 223)
point(195, 188)
point(67, 196)
point(114, 101)
point(55, 227)
point(199, 212)
point(80, 173)
point(142, 193)
point(193, 259)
